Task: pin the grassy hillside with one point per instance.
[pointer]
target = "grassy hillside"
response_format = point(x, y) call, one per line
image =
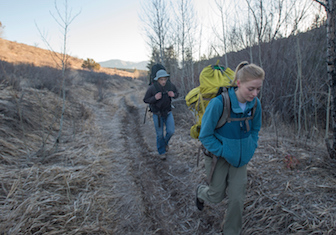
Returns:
point(13, 52)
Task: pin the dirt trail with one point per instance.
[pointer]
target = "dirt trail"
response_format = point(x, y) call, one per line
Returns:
point(154, 196)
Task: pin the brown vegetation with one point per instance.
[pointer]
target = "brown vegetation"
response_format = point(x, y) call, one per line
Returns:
point(106, 177)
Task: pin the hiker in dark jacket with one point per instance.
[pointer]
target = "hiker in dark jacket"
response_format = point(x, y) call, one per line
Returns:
point(159, 96)
point(228, 149)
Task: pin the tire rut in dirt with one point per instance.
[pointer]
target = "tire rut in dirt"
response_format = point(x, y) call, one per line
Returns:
point(159, 181)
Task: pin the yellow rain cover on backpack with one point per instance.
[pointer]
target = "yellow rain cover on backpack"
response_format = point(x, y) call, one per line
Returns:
point(211, 79)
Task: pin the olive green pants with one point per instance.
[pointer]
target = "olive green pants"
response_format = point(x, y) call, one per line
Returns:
point(230, 181)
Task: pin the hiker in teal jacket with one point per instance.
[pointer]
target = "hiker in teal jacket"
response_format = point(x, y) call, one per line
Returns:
point(231, 141)
point(228, 149)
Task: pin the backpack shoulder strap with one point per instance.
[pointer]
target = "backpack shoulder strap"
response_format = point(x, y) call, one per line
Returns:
point(157, 86)
point(254, 109)
point(252, 116)
point(246, 119)
point(226, 108)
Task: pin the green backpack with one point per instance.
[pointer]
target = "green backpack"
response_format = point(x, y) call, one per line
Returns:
point(214, 80)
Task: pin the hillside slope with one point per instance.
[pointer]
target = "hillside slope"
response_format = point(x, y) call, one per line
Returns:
point(14, 52)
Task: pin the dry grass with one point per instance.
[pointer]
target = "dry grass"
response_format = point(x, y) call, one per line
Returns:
point(65, 197)
point(106, 178)
point(297, 196)
point(61, 192)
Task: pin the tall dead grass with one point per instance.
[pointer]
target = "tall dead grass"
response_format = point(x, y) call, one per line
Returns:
point(58, 192)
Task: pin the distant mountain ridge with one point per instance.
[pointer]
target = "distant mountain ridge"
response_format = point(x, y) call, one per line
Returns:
point(124, 64)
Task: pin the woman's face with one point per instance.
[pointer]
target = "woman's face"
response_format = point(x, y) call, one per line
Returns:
point(248, 90)
point(162, 81)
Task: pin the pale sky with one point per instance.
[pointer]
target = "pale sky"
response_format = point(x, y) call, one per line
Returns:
point(103, 30)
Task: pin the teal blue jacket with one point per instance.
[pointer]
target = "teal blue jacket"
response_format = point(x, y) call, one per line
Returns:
point(232, 141)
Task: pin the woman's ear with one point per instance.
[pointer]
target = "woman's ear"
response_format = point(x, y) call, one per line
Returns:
point(238, 83)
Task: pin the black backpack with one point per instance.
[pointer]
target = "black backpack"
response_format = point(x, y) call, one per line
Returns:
point(154, 69)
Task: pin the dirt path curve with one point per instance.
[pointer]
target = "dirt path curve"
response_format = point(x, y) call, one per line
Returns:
point(151, 196)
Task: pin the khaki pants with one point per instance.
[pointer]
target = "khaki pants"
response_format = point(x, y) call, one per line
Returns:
point(230, 181)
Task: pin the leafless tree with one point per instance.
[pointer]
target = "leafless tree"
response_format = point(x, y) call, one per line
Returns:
point(186, 27)
point(63, 18)
point(222, 32)
point(330, 7)
point(276, 19)
point(1, 29)
point(258, 14)
point(298, 88)
point(297, 11)
point(244, 35)
point(156, 19)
